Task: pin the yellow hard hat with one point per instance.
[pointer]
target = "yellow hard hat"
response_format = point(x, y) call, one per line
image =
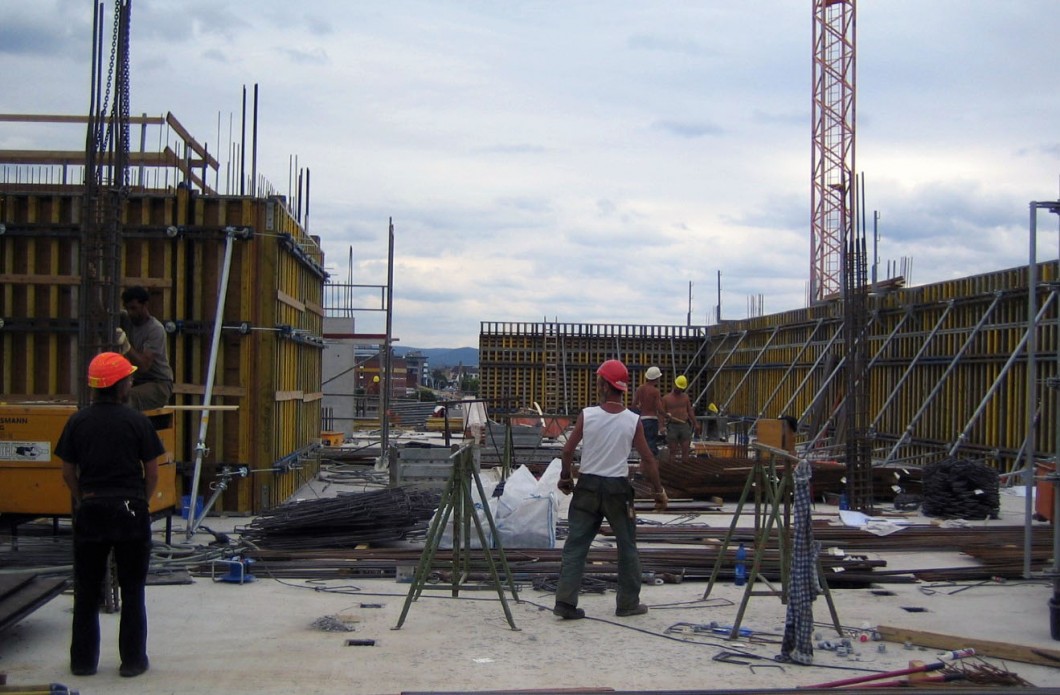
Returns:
point(681, 382)
point(712, 408)
point(375, 379)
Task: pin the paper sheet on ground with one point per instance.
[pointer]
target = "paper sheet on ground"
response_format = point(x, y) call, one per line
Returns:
point(873, 524)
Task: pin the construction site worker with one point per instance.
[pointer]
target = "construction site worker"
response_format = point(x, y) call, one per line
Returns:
point(110, 456)
point(647, 402)
point(142, 340)
point(607, 432)
point(680, 422)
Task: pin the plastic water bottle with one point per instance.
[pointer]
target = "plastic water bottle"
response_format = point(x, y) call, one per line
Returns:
point(741, 565)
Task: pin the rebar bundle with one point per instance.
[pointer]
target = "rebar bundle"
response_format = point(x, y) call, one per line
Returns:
point(343, 521)
point(960, 489)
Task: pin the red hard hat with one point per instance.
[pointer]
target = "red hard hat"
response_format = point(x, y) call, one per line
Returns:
point(107, 369)
point(615, 373)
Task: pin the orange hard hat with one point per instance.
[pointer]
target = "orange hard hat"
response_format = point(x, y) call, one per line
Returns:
point(615, 373)
point(107, 369)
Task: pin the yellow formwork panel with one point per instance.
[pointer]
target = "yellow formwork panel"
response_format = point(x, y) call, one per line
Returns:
point(795, 373)
point(39, 256)
point(31, 475)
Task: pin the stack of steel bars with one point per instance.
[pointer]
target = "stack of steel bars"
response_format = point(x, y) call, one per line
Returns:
point(344, 521)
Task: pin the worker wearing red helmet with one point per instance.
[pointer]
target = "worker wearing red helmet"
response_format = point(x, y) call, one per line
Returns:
point(606, 433)
point(110, 455)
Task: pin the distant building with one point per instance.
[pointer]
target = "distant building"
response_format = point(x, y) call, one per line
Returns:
point(417, 370)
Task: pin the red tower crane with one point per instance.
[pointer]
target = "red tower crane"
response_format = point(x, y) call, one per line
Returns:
point(832, 190)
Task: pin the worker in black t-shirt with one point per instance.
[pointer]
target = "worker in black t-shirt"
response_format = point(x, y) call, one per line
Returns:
point(110, 455)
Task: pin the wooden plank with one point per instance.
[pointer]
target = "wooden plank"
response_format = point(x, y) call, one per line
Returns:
point(166, 158)
point(997, 650)
point(43, 118)
point(289, 300)
point(190, 141)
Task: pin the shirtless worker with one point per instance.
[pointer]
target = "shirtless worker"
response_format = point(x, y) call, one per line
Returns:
point(680, 420)
point(647, 402)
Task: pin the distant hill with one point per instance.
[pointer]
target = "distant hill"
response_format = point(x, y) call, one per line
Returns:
point(444, 357)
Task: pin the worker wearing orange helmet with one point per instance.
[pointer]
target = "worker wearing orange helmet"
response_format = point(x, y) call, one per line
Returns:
point(606, 432)
point(110, 455)
point(680, 421)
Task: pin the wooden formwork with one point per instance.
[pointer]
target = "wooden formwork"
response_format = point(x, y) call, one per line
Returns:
point(173, 243)
point(948, 367)
point(554, 364)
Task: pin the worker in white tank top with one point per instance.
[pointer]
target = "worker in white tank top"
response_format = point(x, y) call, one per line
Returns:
point(606, 433)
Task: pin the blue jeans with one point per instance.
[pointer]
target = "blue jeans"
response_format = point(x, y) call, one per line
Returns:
point(597, 498)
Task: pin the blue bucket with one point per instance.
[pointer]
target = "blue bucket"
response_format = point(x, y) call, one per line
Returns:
point(185, 506)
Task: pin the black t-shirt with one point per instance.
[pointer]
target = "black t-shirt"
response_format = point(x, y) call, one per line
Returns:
point(108, 442)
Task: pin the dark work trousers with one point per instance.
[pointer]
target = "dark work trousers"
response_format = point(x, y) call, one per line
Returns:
point(597, 498)
point(102, 523)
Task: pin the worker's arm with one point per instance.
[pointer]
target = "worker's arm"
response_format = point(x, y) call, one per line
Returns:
point(143, 359)
point(70, 478)
point(566, 476)
point(151, 476)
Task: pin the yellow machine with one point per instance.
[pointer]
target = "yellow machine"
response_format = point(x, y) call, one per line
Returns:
point(31, 481)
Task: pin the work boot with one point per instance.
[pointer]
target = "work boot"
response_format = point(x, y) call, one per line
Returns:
point(639, 609)
point(567, 611)
point(133, 670)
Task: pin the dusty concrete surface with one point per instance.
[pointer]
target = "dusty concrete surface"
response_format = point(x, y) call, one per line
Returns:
point(259, 638)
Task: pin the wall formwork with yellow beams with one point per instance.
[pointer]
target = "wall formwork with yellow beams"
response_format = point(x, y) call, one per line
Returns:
point(554, 364)
point(173, 243)
point(947, 367)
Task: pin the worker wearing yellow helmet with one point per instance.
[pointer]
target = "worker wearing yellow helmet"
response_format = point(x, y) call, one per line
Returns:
point(680, 421)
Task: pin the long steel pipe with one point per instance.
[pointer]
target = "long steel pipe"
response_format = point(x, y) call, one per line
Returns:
point(824, 352)
point(751, 367)
point(912, 364)
point(872, 362)
point(743, 334)
point(908, 431)
point(1030, 452)
point(1000, 379)
point(790, 369)
point(204, 419)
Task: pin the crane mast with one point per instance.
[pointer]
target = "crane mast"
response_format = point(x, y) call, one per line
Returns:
point(831, 192)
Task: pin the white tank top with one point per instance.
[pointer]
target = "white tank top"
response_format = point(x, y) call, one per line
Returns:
point(606, 441)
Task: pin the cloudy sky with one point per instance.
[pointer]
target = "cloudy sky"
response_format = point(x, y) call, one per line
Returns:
point(586, 160)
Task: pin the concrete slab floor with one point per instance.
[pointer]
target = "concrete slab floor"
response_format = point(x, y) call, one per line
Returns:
point(260, 638)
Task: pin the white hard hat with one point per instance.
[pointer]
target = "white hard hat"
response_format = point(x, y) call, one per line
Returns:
point(653, 373)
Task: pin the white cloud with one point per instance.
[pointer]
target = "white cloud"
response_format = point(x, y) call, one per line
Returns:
point(585, 161)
